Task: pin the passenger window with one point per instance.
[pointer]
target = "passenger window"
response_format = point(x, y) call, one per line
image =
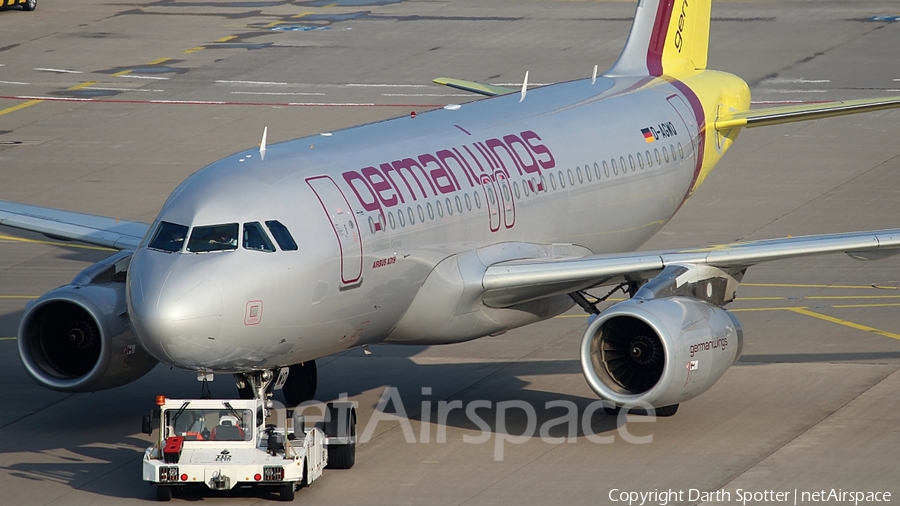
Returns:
point(631, 162)
point(430, 211)
point(468, 202)
point(525, 188)
point(672, 150)
point(516, 188)
point(543, 183)
point(412, 218)
point(450, 206)
point(421, 214)
point(640, 160)
point(658, 160)
point(282, 235)
point(401, 218)
point(649, 160)
point(440, 209)
point(255, 237)
point(622, 164)
point(680, 151)
point(597, 170)
point(214, 238)
point(169, 237)
point(587, 172)
point(552, 181)
point(477, 199)
point(613, 163)
point(571, 178)
point(391, 220)
point(458, 204)
point(666, 154)
point(605, 168)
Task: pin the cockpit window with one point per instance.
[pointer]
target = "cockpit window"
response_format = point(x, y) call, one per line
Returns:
point(255, 238)
point(214, 238)
point(282, 236)
point(169, 237)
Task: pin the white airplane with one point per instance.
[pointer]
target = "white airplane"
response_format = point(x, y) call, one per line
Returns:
point(448, 228)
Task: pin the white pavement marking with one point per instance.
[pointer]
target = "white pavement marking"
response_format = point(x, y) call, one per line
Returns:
point(144, 77)
point(254, 82)
point(186, 102)
point(360, 85)
point(425, 95)
point(126, 89)
point(794, 80)
point(274, 93)
point(63, 71)
point(795, 91)
point(11, 82)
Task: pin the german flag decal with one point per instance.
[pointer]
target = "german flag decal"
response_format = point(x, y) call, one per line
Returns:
point(648, 135)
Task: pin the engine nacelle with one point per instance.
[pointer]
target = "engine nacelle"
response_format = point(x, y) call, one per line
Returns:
point(659, 351)
point(77, 338)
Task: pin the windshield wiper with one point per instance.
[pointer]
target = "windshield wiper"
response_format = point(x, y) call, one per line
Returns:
point(234, 412)
point(179, 412)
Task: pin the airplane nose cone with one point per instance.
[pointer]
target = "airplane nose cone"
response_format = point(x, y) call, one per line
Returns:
point(176, 315)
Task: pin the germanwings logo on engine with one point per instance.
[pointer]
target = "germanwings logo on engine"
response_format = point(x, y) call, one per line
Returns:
point(444, 171)
point(709, 345)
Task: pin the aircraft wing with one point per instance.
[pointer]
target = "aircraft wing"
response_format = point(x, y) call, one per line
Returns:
point(483, 89)
point(803, 112)
point(72, 226)
point(514, 282)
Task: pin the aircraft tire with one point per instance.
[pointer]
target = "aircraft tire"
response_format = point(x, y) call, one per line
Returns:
point(301, 383)
point(667, 411)
point(30, 5)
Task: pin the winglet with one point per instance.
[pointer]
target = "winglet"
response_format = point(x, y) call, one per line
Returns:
point(524, 87)
point(262, 144)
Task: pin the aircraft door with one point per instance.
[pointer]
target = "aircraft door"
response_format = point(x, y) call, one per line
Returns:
point(505, 199)
point(687, 120)
point(346, 228)
point(493, 202)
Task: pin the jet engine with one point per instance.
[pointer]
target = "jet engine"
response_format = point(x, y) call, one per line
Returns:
point(77, 338)
point(659, 351)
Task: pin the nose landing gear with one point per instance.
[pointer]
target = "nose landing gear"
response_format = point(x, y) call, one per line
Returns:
point(298, 383)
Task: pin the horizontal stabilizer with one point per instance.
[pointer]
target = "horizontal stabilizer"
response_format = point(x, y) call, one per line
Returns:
point(87, 228)
point(791, 113)
point(483, 89)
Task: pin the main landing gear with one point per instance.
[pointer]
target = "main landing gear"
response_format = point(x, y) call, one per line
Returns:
point(298, 382)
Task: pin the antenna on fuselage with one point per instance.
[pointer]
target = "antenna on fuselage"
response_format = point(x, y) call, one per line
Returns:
point(262, 144)
point(594, 76)
point(524, 87)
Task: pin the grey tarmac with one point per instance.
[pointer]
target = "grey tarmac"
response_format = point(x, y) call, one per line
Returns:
point(812, 405)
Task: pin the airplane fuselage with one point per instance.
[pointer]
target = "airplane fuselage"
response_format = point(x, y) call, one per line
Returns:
point(373, 209)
